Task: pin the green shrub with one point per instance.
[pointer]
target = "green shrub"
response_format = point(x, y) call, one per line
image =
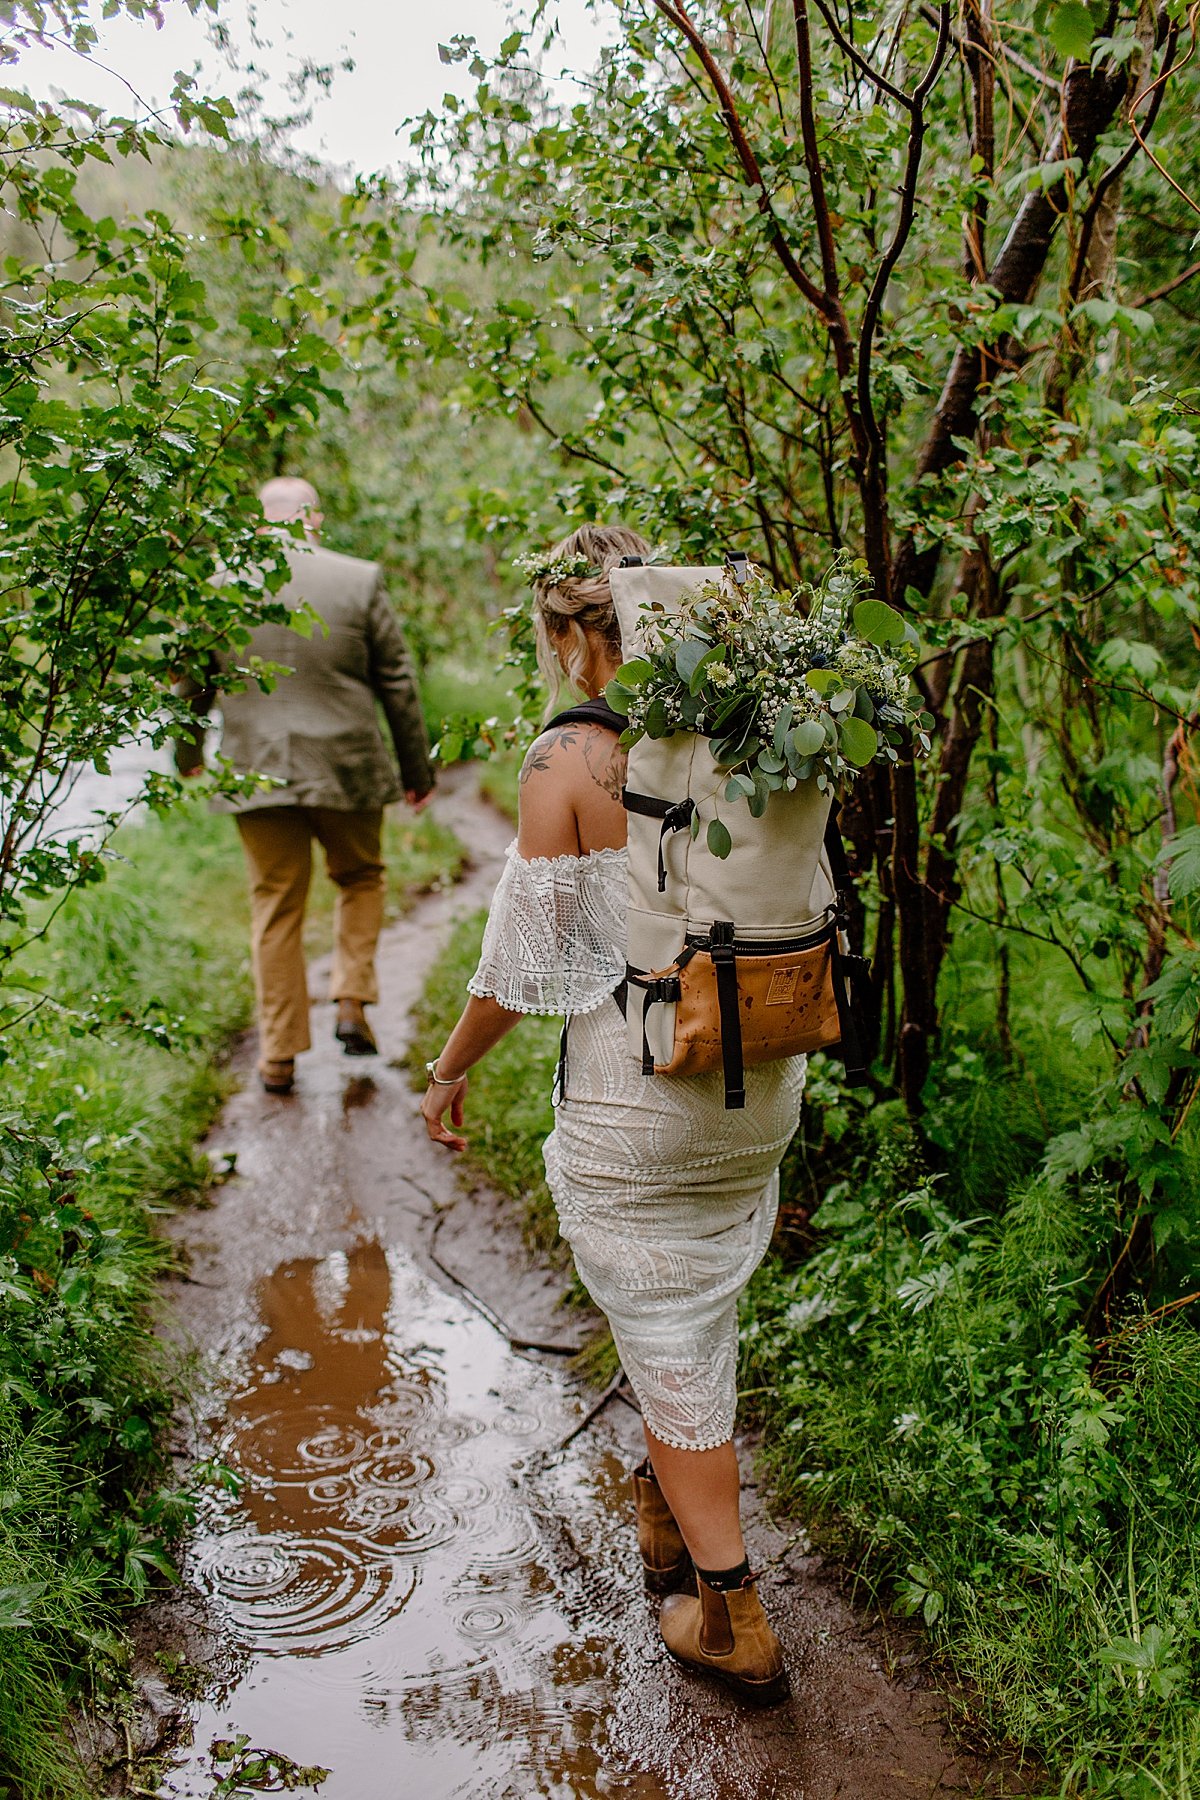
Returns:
point(936, 1410)
point(509, 1114)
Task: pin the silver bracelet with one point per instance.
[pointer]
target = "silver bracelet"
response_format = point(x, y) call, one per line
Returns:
point(440, 1080)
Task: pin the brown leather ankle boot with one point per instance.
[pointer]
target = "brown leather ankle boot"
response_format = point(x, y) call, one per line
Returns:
point(665, 1560)
point(352, 1031)
point(729, 1636)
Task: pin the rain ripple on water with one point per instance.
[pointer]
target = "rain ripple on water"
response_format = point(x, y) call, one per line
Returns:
point(378, 1444)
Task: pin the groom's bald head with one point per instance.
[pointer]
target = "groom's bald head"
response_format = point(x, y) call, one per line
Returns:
point(288, 497)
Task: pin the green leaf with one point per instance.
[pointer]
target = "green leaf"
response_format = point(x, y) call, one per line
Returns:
point(857, 741)
point(808, 737)
point(718, 838)
point(16, 1602)
point(1072, 30)
point(1182, 852)
point(632, 674)
point(688, 657)
point(657, 724)
point(878, 622)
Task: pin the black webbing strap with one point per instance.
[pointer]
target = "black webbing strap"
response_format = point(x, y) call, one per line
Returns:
point(654, 988)
point(835, 850)
point(621, 996)
point(850, 974)
point(846, 973)
point(560, 1079)
point(725, 969)
point(675, 816)
point(589, 712)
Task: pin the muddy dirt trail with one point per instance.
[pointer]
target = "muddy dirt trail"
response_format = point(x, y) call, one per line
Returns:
point(414, 1587)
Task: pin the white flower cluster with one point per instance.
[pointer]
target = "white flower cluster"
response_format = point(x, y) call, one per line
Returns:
point(539, 570)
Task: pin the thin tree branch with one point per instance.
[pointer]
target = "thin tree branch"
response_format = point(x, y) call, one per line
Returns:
point(1168, 287)
point(812, 156)
point(854, 55)
point(894, 251)
point(672, 10)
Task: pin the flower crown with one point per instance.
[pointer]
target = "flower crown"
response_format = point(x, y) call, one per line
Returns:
point(539, 570)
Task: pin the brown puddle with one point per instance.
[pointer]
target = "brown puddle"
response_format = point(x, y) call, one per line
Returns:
point(383, 1566)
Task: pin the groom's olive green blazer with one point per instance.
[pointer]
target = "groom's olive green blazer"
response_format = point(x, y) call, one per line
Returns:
point(318, 730)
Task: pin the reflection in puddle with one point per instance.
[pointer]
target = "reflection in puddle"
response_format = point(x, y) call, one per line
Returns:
point(381, 1566)
point(360, 1090)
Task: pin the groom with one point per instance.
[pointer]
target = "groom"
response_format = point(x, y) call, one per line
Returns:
point(317, 733)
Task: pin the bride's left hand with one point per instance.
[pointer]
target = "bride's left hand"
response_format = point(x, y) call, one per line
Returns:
point(437, 1101)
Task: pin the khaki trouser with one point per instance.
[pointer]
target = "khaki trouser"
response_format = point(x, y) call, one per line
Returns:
point(278, 845)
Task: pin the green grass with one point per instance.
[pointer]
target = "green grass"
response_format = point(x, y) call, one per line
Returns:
point(107, 1089)
point(509, 1114)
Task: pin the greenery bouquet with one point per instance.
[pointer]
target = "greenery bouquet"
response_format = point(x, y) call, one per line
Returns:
point(812, 683)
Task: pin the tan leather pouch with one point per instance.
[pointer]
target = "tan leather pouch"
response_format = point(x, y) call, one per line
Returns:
point(786, 1007)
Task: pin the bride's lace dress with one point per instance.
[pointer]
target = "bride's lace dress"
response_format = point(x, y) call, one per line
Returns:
point(667, 1200)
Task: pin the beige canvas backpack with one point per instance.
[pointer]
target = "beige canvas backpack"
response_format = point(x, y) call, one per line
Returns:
point(737, 960)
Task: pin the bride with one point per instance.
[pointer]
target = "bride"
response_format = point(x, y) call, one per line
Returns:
point(666, 1200)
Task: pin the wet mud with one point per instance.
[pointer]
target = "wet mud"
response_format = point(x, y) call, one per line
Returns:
point(416, 1586)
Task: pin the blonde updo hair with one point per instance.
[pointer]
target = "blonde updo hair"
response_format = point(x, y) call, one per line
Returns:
point(565, 611)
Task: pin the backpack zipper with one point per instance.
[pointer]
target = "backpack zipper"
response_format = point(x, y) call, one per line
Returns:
point(764, 946)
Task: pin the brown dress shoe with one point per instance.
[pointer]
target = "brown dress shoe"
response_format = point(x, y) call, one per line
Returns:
point(278, 1077)
point(352, 1031)
point(728, 1636)
point(665, 1560)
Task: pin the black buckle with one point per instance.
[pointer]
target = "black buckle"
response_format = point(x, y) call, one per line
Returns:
point(676, 818)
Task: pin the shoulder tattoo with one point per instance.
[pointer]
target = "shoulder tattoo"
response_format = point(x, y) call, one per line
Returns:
point(605, 761)
point(540, 753)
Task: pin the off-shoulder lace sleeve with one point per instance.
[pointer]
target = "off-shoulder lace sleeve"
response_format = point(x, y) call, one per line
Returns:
point(555, 937)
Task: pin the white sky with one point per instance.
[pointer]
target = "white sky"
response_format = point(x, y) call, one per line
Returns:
point(393, 44)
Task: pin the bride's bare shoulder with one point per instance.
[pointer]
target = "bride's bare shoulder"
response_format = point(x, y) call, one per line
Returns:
point(570, 783)
point(573, 752)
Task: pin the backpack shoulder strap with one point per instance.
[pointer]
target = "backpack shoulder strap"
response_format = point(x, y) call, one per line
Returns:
point(589, 712)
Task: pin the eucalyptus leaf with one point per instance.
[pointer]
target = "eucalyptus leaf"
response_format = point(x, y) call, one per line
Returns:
point(688, 657)
point(718, 838)
point(808, 737)
point(857, 741)
point(878, 622)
